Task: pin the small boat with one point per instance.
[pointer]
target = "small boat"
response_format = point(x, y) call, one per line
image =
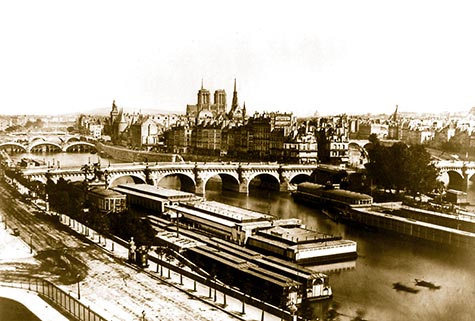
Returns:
point(401, 287)
point(425, 284)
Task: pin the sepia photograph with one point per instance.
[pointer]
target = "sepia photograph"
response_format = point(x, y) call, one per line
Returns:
point(247, 161)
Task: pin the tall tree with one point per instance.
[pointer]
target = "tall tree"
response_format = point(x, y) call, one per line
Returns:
point(402, 168)
point(420, 172)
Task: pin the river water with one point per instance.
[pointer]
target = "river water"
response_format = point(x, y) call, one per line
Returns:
point(364, 288)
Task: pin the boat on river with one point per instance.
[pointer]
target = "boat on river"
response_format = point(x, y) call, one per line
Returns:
point(426, 284)
point(333, 201)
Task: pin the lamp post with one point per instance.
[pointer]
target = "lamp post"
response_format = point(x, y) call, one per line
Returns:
point(79, 289)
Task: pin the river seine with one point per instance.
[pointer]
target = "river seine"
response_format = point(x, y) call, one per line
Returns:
point(363, 289)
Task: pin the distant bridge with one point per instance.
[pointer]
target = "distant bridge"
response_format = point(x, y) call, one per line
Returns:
point(48, 146)
point(193, 177)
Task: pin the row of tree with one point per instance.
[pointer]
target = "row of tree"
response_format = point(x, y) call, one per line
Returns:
point(71, 199)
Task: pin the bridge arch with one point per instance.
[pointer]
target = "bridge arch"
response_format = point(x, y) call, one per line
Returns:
point(180, 181)
point(299, 178)
point(36, 138)
point(126, 179)
point(264, 180)
point(13, 147)
point(229, 181)
point(456, 180)
point(45, 147)
point(72, 139)
point(79, 146)
point(358, 154)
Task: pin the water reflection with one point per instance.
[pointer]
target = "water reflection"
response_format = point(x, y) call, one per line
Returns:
point(66, 159)
point(365, 291)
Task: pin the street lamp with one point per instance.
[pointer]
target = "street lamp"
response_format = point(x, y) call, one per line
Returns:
point(79, 289)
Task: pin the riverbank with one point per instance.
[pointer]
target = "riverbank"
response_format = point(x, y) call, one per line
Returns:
point(129, 155)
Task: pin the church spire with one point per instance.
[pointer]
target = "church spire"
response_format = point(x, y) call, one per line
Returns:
point(394, 115)
point(234, 104)
point(201, 83)
point(114, 112)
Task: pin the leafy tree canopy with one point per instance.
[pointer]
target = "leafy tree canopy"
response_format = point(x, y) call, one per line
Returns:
point(402, 168)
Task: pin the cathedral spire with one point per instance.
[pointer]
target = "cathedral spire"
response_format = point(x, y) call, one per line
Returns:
point(394, 115)
point(201, 83)
point(234, 104)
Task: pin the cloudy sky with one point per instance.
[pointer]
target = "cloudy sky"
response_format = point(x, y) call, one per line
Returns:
point(300, 56)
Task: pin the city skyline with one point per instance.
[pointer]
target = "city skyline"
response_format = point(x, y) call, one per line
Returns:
point(313, 57)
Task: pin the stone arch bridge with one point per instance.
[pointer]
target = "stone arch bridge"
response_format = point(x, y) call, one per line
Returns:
point(457, 173)
point(47, 146)
point(193, 176)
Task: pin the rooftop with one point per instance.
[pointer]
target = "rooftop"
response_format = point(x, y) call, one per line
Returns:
point(156, 191)
point(101, 191)
point(294, 234)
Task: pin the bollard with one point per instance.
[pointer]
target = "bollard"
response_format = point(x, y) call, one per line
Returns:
point(224, 300)
point(194, 286)
point(262, 315)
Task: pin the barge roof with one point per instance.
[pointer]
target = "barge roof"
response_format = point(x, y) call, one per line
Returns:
point(232, 212)
point(293, 234)
point(304, 246)
point(157, 191)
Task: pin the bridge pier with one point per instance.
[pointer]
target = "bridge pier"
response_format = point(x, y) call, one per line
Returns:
point(200, 188)
point(466, 182)
point(284, 186)
point(244, 188)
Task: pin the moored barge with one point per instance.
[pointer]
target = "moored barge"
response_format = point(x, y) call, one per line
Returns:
point(328, 197)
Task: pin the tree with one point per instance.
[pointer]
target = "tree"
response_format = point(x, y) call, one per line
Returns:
point(421, 173)
point(402, 168)
point(378, 167)
point(129, 224)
